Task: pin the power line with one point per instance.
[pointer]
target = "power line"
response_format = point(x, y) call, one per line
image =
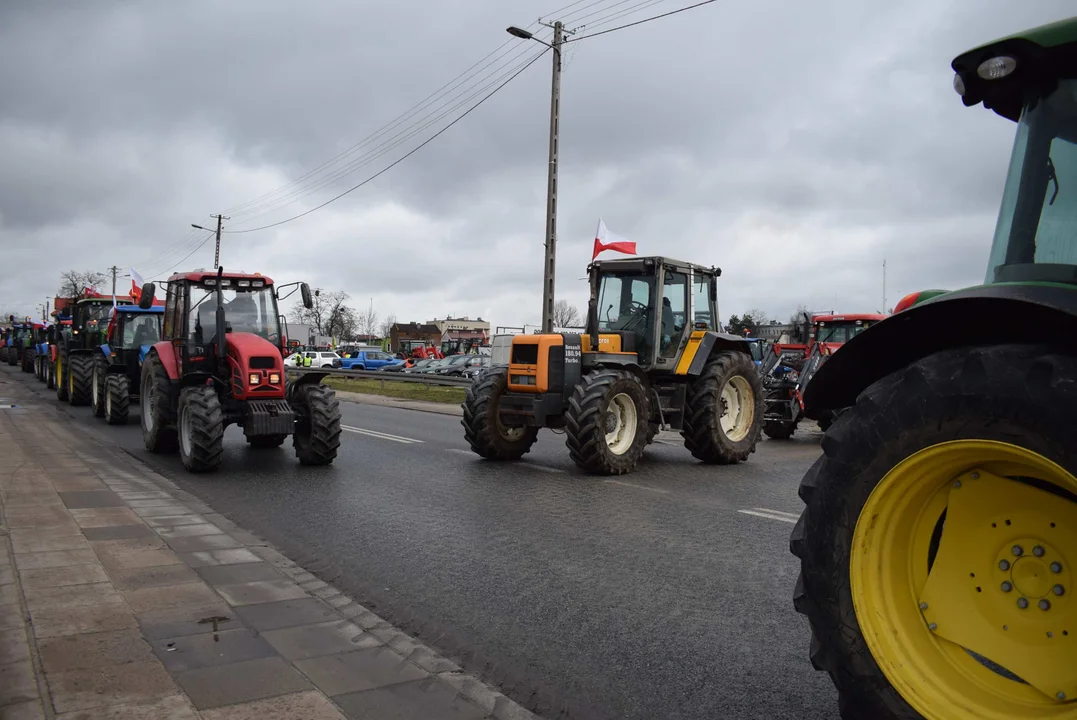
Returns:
point(403, 158)
point(640, 22)
point(606, 20)
point(384, 148)
point(199, 247)
point(245, 208)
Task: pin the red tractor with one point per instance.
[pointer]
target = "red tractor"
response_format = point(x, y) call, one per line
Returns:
point(788, 369)
point(219, 363)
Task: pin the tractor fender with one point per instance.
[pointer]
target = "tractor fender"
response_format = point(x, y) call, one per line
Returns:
point(309, 378)
point(167, 356)
point(986, 314)
point(709, 344)
point(105, 349)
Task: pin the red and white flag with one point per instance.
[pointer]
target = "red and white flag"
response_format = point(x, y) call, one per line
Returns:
point(605, 240)
point(136, 285)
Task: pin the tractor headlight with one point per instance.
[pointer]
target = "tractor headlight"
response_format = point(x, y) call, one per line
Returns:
point(997, 67)
point(274, 378)
point(255, 378)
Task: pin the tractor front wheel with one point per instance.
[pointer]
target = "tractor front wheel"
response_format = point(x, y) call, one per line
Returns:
point(317, 428)
point(79, 379)
point(483, 430)
point(723, 411)
point(117, 399)
point(155, 402)
point(201, 428)
point(28, 360)
point(936, 545)
point(50, 374)
point(12, 356)
point(778, 430)
point(607, 422)
point(97, 394)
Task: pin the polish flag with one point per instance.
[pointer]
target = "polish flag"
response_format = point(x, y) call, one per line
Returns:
point(136, 285)
point(605, 240)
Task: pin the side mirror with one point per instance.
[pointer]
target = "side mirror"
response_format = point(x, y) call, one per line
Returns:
point(308, 301)
point(145, 300)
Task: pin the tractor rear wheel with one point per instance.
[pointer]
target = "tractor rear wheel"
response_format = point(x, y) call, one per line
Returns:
point(12, 356)
point(80, 379)
point(723, 409)
point(117, 399)
point(61, 375)
point(201, 428)
point(97, 394)
point(483, 430)
point(155, 399)
point(317, 429)
point(262, 442)
point(39, 366)
point(28, 360)
point(778, 430)
point(50, 374)
point(607, 422)
point(937, 536)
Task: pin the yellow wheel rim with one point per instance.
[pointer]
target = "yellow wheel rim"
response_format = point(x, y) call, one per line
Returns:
point(972, 615)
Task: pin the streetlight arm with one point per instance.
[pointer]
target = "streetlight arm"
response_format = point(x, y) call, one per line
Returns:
point(525, 35)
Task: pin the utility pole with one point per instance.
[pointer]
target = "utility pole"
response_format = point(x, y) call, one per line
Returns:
point(217, 252)
point(550, 261)
point(113, 270)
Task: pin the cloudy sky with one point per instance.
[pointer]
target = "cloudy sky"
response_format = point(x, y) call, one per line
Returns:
point(793, 144)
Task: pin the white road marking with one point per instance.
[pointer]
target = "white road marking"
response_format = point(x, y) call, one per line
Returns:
point(639, 487)
point(380, 435)
point(772, 515)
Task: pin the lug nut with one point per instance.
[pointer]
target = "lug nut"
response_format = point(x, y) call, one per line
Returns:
point(932, 627)
point(1061, 696)
point(957, 484)
point(1059, 590)
point(1007, 586)
point(1056, 567)
point(975, 476)
point(1045, 604)
point(923, 606)
point(1037, 551)
point(1018, 551)
point(1022, 603)
point(1003, 564)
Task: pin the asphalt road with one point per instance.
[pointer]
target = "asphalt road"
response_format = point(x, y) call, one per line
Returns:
point(651, 596)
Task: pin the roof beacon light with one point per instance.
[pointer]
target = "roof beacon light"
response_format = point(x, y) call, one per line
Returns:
point(959, 84)
point(997, 67)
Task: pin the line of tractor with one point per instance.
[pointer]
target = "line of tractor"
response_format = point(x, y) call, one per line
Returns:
point(208, 356)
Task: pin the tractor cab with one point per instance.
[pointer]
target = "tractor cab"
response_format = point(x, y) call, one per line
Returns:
point(650, 307)
point(89, 321)
point(830, 332)
point(132, 331)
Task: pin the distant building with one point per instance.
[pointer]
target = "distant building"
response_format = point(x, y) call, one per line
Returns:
point(455, 330)
point(428, 333)
point(773, 330)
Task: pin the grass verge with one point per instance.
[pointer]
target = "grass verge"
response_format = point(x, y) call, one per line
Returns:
point(397, 389)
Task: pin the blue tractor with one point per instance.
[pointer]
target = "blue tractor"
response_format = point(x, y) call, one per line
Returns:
point(132, 331)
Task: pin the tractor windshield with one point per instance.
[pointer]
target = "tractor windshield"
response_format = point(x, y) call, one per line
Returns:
point(250, 311)
point(624, 302)
point(839, 332)
point(139, 330)
point(1035, 234)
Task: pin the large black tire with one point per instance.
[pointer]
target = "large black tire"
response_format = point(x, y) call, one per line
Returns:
point(589, 419)
point(704, 408)
point(264, 442)
point(39, 367)
point(1023, 395)
point(117, 399)
point(778, 430)
point(201, 428)
point(97, 385)
point(482, 430)
point(155, 401)
point(50, 374)
point(62, 370)
point(12, 356)
point(28, 360)
point(317, 429)
point(80, 379)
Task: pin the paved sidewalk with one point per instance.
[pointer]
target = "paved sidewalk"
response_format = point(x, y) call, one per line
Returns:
point(124, 598)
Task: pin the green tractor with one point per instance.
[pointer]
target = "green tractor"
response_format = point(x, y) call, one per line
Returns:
point(938, 544)
point(76, 347)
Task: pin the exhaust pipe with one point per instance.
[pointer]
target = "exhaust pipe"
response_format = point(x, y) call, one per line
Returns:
point(222, 361)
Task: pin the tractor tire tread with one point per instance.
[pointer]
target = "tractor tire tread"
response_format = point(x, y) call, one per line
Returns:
point(81, 388)
point(97, 402)
point(585, 432)
point(206, 426)
point(480, 426)
point(321, 405)
point(163, 439)
point(118, 405)
point(702, 426)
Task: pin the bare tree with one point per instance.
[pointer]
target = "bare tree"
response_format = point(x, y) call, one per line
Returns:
point(318, 317)
point(759, 317)
point(340, 320)
point(367, 321)
point(798, 314)
point(73, 283)
point(387, 325)
point(566, 315)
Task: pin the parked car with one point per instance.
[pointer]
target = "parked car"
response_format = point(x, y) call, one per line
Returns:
point(432, 366)
point(458, 363)
point(369, 360)
point(403, 366)
point(318, 359)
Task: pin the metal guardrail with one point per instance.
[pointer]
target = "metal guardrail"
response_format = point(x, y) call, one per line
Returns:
point(421, 378)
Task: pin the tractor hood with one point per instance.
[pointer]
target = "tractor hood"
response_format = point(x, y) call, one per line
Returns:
point(256, 364)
